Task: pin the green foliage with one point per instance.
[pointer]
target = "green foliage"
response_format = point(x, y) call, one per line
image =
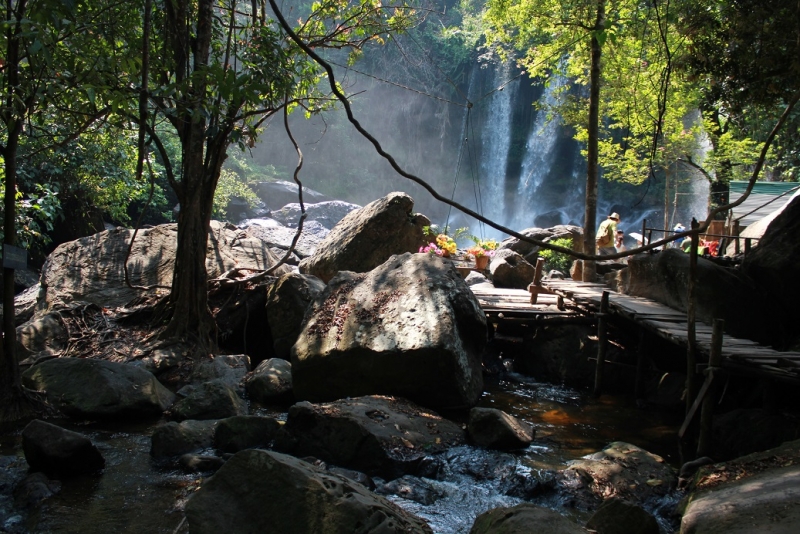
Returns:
point(557, 260)
point(35, 215)
point(231, 186)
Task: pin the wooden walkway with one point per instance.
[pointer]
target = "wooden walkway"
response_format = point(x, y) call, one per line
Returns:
point(739, 355)
point(514, 305)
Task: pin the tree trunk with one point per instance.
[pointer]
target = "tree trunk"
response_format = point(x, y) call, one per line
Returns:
point(10, 386)
point(590, 218)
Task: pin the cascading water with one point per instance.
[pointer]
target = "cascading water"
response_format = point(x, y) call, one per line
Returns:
point(495, 138)
point(540, 155)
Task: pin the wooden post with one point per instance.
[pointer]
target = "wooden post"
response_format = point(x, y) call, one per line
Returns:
point(707, 411)
point(691, 352)
point(644, 230)
point(640, 357)
point(602, 337)
point(536, 287)
point(735, 232)
point(747, 245)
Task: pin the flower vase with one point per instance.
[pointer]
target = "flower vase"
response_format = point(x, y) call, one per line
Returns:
point(481, 262)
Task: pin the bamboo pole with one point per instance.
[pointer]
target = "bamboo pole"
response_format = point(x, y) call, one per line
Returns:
point(602, 337)
point(707, 411)
point(691, 351)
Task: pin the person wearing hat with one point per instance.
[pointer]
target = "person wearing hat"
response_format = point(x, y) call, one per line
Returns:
point(606, 235)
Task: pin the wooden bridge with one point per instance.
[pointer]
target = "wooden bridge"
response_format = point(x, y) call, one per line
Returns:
point(559, 301)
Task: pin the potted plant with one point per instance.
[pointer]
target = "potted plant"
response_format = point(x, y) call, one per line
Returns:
point(481, 256)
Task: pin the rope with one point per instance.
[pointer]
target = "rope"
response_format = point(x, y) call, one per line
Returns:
point(458, 168)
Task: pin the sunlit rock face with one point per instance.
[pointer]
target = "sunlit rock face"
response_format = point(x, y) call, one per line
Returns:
point(367, 237)
point(410, 327)
point(91, 269)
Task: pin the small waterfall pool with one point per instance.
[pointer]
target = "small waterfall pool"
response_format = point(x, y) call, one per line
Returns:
point(135, 495)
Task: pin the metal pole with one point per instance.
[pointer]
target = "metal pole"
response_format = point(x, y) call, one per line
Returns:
point(707, 411)
point(602, 337)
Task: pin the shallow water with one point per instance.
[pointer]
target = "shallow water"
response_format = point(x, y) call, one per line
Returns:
point(134, 495)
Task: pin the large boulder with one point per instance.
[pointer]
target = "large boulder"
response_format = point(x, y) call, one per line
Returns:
point(45, 334)
point(175, 439)
point(325, 213)
point(511, 270)
point(262, 491)
point(376, 435)
point(722, 293)
point(91, 269)
point(410, 328)
point(495, 429)
point(215, 399)
point(524, 519)
point(764, 502)
point(530, 251)
point(775, 266)
point(58, 452)
point(98, 388)
point(367, 237)
point(241, 432)
point(616, 516)
point(279, 238)
point(619, 470)
point(280, 192)
point(754, 493)
point(287, 301)
point(271, 381)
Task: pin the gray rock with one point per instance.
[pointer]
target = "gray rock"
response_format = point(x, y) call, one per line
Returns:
point(410, 327)
point(235, 434)
point(326, 214)
point(530, 252)
point(411, 489)
point(163, 359)
point(287, 301)
point(475, 278)
point(509, 269)
point(90, 269)
point(367, 237)
point(524, 519)
point(98, 388)
point(34, 489)
point(376, 435)
point(722, 293)
point(560, 354)
point(279, 238)
point(773, 265)
point(228, 368)
point(215, 399)
point(262, 491)
point(200, 463)
point(764, 502)
point(271, 381)
point(616, 516)
point(58, 452)
point(175, 439)
point(281, 192)
point(495, 429)
point(46, 333)
point(620, 470)
point(25, 303)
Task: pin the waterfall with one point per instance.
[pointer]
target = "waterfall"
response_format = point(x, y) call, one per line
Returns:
point(495, 139)
point(540, 155)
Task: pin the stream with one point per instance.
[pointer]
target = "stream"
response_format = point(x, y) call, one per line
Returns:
point(134, 495)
